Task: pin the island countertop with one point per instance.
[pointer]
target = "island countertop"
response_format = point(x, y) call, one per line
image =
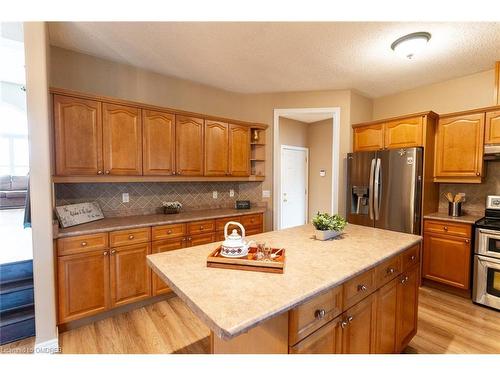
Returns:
point(231, 302)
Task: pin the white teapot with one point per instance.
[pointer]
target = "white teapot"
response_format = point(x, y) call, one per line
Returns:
point(234, 245)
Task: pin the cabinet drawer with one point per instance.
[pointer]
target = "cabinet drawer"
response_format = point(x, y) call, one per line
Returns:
point(164, 232)
point(447, 227)
point(251, 220)
point(387, 271)
point(308, 317)
point(358, 288)
point(326, 340)
point(410, 257)
point(220, 223)
point(200, 239)
point(202, 226)
point(79, 244)
point(129, 236)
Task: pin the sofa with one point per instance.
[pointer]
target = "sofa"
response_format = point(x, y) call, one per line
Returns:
point(13, 191)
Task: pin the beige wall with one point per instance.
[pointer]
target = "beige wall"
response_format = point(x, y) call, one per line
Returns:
point(90, 74)
point(469, 92)
point(293, 132)
point(36, 49)
point(320, 141)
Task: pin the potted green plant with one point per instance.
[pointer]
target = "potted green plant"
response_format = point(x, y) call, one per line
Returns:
point(328, 226)
point(171, 207)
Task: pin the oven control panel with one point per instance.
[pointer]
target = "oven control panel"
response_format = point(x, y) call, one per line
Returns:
point(493, 202)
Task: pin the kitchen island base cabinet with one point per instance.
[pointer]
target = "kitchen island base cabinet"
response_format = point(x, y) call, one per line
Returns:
point(326, 340)
point(407, 308)
point(358, 327)
point(387, 307)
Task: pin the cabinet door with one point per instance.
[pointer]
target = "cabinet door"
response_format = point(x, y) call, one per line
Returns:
point(158, 143)
point(326, 340)
point(239, 150)
point(83, 285)
point(385, 337)
point(358, 333)
point(78, 136)
point(216, 148)
point(189, 145)
point(158, 286)
point(407, 309)
point(459, 148)
point(122, 140)
point(492, 131)
point(130, 274)
point(447, 260)
point(200, 239)
point(404, 133)
point(369, 138)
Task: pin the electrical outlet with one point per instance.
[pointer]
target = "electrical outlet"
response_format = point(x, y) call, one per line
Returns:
point(125, 197)
point(231, 192)
point(266, 193)
point(214, 194)
point(463, 196)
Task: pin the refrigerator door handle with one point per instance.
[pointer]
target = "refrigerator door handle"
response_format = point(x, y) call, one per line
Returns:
point(376, 189)
point(370, 190)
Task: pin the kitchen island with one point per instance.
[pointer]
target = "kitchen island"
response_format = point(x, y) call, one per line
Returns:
point(357, 293)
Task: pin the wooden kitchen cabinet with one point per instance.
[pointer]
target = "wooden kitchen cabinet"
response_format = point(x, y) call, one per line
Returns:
point(326, 340)
point(83, 284)
point(200, 239)
point(387, 307)
point(459, 149)
point(78, 136)
point(130, 274)
point(158, 286)
point(189, 145)
point(404, 133)
point(407, 307)
point(369, 138)
point(122, 140)
point(492, 129)
point(358, 333)
point(216, 148)
point(239, 150)
point(158, 143)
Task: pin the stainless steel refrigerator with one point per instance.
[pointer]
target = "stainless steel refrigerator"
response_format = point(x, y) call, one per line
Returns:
point(384, 189)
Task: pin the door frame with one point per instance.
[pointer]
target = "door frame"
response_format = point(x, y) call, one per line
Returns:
point(283, 112)
point(297, 148)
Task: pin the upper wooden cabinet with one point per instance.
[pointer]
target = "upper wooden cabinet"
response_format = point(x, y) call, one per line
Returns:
point(158, 143)
point(403, 133)
point(369, 138)
point(492, 129)
point(459, 148)
point(216, 148)
point(122, 140)
point(78, 136)
point(239, 150)
point(189, 145)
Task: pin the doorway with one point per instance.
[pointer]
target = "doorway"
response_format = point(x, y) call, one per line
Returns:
point(302, 190)
point(294, 185)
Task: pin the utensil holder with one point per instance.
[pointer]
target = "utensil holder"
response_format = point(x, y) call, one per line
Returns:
point(455, 209)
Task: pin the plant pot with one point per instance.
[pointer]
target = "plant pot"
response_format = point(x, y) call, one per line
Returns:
point(324, 235)
point(170, 211)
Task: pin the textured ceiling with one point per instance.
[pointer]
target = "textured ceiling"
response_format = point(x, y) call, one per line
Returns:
point(272, 57)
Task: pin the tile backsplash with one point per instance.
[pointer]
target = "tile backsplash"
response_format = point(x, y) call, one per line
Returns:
point(146, 198)
point(475, 194)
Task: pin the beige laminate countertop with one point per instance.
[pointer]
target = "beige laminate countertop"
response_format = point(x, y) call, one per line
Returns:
point(128, 222)
point(469, 218)
point(231, 302)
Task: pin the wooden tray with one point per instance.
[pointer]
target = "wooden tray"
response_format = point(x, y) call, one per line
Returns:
point(248, 262)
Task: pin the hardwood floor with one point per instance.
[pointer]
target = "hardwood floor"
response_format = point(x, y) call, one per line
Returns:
point(447, 324)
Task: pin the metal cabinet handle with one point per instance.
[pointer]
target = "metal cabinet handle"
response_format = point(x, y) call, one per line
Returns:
point(99, 172)
point(201, 227)
point(467, 241)
point(478, 174)
point(178, 172)
point(390, 271)
point(169, 231)
point(320, 314)
point(404, 280)
point(105, 253)
point(130, 236)
point(173, 172)
point(107, 172)
point(344, 324)
point(445, 228)
point(113, 251)
point(362, 288)
point(413, 257)
point(189, 238)
point(350, 319)
point(84, 243)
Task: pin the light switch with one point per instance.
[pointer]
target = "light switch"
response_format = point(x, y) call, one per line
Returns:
point(125, 198)
point(231, 192)
point(322, 173)
point(266, 193)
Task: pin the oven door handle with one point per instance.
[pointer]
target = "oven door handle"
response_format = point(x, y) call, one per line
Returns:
point(489, 261)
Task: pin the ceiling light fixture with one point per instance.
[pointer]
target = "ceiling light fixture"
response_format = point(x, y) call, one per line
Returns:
point(409, 45)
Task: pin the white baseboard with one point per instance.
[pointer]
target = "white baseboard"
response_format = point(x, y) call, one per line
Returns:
point(47, 347)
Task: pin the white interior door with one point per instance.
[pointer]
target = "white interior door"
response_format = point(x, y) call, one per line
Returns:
point(294, 174)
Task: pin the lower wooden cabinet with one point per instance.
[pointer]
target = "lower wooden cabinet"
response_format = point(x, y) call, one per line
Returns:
point(157, 285)
point(358, 325)
point(407, 307)
point(130, 274)
point(83, 285)
point(387, 308)
point(326, 340)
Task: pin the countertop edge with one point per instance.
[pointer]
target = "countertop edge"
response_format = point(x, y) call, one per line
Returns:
point(469, 218)
point(246, 326)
